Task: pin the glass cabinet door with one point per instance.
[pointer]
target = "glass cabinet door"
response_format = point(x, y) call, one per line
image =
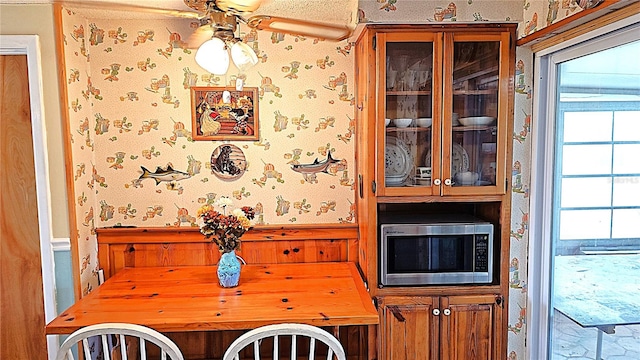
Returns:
point(407, 72)
point(471, 134)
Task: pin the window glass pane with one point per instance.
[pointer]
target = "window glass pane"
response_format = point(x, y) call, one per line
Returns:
point(586, 192)
point(584, 224)
point(627, 159)
point(626, 191)
point(627, 126)
point(586, 126)
point(586, 159)
point(625, 223)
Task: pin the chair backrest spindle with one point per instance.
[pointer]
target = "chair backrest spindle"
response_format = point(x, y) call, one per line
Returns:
point(312, 349)
point(296, 333)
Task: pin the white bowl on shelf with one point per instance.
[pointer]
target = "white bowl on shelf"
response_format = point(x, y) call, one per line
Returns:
point(467, 177)
point(387, 122)
point(402, 123)
point(477, 120)
point(424, 122)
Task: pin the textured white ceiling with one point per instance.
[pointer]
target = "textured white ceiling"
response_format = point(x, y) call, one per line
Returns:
point(342, 12)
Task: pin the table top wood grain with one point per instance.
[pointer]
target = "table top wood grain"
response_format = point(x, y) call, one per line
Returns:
point(598, 290)
point(189, 298)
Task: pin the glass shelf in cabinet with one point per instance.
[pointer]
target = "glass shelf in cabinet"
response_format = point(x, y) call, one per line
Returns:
point(408, 92)
point(475, 92)
point(408, 129)
point(475, 128)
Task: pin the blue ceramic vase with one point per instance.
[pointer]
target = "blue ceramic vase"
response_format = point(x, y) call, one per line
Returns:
point(229, 270)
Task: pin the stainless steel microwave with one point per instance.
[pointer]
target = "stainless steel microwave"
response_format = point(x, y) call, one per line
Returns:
point(427, 251)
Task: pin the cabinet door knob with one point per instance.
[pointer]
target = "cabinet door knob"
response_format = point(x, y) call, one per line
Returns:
point(437, 182)
point(447, 182)
point(447, 312)
point(436, 312)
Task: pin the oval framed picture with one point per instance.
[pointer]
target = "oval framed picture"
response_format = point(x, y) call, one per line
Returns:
point(228, 162)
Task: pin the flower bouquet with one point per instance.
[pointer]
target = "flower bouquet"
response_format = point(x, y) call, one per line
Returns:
point(226, 230)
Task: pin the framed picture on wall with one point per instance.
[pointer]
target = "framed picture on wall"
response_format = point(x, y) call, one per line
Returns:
point(224, 113)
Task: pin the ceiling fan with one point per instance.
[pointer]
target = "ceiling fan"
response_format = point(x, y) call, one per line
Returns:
point(220, 18)
point(216, 24)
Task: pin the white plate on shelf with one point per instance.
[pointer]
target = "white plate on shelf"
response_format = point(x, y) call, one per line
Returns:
point(459, 160)
point(477, 120)
point(397, 161)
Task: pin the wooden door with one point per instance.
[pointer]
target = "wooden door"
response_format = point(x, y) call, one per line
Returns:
point(21, 292)
point(478, 68)
point(402, 58)
point(468, 328)
point(408, 329)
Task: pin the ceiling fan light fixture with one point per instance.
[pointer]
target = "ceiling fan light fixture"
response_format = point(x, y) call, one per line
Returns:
point(243, 56)
point(213, 56)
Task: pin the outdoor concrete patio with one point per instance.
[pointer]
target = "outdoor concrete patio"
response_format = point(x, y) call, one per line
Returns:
point(571, 341)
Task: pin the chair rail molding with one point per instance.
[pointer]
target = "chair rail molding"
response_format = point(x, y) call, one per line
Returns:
point(61, 244)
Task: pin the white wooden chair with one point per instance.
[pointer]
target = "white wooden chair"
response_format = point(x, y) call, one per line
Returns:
point(294, 331)
point(138, 338)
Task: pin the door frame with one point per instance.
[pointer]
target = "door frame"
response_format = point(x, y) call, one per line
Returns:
point(29, 45)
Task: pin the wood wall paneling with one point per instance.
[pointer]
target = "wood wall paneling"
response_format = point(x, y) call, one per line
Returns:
point(141, 247)
point(134, 247)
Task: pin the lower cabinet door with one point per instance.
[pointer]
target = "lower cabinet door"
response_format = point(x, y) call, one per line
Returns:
point(408, 328)
point(469, 327)
point(465, 327)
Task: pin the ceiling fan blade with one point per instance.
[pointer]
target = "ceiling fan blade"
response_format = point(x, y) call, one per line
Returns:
point(299, 27)
point(199, 36)
point(122, 7)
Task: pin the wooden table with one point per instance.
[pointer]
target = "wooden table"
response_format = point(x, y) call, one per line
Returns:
point(601, 291)
point(188, 298)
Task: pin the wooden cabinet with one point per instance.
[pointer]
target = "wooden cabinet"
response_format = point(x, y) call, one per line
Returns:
point(440, 328)
point(453, 86)
point(438, 108)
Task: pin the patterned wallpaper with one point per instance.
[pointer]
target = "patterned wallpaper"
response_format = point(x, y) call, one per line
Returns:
point(532, 15)
point(129, 102)
point(129, 91)
point(520, 180)
point(539, 14)
point(436, 11)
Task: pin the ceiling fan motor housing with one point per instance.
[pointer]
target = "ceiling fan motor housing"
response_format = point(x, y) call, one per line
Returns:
point(223, 24)
point(233, 6)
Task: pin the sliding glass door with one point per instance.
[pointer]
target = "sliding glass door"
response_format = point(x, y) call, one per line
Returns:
point(588, 201)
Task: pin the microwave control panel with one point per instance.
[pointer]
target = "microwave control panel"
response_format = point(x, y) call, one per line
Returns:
point(482, 253)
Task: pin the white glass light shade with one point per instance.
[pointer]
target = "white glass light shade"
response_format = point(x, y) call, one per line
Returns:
point(213, 56)
point(243, 56)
